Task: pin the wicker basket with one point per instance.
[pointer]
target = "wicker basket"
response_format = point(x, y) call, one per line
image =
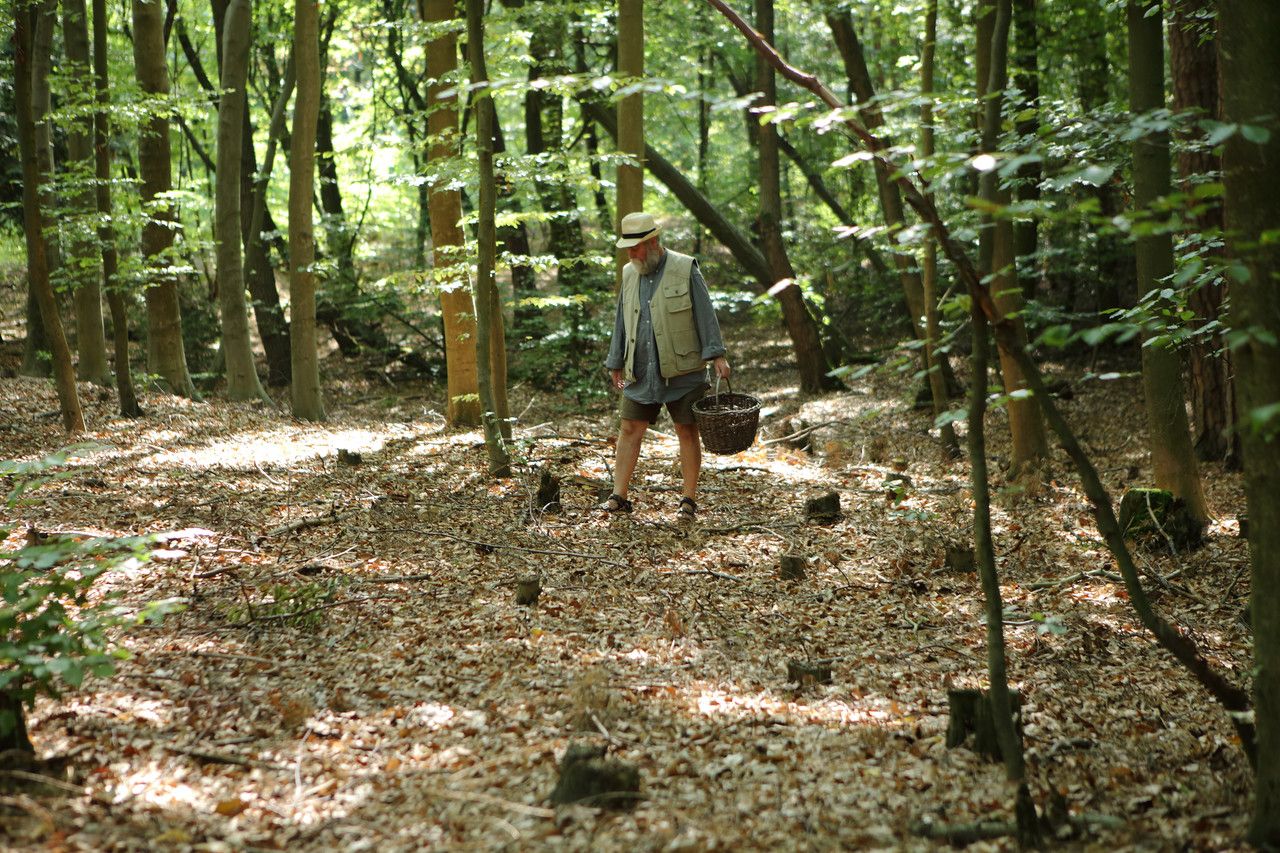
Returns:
point(727, 422)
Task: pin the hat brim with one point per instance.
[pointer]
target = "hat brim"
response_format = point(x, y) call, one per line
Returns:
point(628, 242)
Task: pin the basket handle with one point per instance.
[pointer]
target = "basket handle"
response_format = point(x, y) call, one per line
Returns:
point(726, 382)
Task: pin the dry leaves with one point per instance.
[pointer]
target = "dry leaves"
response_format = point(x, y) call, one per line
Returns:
point(353, 671)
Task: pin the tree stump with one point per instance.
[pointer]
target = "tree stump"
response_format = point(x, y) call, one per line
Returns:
point(971, 714)
point(1154, 517)
point(824, 509)
point(548, 498)
point(959, 559)
point(809, 672)
point(528, 589)
point(349, 457)
point(587, 777)
point(791, 567)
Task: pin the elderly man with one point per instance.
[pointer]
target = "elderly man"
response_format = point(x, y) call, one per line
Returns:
point(664, 334)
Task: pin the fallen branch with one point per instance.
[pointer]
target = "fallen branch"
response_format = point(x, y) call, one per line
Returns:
point(801, 433)
point(713, 574)
point(304, 523)
point(1078, 576)
point(222, 758)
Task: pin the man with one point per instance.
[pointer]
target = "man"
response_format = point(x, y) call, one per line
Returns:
point(664, 334)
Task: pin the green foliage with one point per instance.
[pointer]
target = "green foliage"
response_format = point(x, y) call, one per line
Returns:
point(56, 629)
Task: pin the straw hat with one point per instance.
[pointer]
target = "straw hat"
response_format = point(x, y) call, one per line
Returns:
point(636, 228)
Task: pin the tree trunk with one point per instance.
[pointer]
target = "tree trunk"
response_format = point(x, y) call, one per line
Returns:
point(446, 234)
point(929, 263)
point(1251, 95)
point(129, 407)
point(166, 357)
point(37, 344)
point(1193, 58)
point(996, 260)
point(272, 326)
point(630, 127)
point(33, 221)
point(801, 327)
point(305, 392)
point(242, 377)
point(1026, 60)
point(91, 339)
point(490, 347)
point(1172, 454)
point(1010, 748)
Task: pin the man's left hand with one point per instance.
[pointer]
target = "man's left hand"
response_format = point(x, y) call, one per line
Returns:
point(721, 366)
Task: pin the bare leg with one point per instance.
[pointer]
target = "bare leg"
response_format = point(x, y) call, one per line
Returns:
point(628, 453)
point(690, 458)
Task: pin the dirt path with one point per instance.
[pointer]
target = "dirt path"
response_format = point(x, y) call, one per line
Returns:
point(352, 671)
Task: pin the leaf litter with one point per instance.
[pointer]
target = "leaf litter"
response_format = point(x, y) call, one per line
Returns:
point(352, 671)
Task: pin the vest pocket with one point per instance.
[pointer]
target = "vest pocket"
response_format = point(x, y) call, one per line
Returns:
point(688, 350)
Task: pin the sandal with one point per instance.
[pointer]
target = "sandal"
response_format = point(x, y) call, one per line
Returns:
point(616, 504)
point(688, 509)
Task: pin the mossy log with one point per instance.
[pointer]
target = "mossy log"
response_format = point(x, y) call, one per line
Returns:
point(824, 509)
point(971, 713)
point(587, 777)
point(1155, 517)
point(791, 567)
point(809, 672)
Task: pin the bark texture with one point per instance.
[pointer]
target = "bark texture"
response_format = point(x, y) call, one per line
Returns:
point(1251, 94)
point(307, 401)
point(456, 301)
point(242, 377)
point(1172, 455)
point(166, 356)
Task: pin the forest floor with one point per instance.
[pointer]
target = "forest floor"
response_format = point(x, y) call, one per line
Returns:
point(351, 671)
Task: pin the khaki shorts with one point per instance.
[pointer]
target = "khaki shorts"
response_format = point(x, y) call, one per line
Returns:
point(681, 410)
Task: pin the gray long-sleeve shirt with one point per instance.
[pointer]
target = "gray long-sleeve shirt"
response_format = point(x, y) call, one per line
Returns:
point(650, 387)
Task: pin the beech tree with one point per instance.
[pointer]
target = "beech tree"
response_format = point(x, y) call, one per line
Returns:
point(630, 123)
point(166, 354)
point(242, 376)
point(1172, 453)
point(305, 392)
point(33, 221)
point(91, 342)
point(491, 347)
point(1251, 97)
point(456, 303)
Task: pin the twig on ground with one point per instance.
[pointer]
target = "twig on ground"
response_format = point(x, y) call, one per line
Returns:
point(488, 800)
point(304, 523)
point(713, 574)
point(495, 546)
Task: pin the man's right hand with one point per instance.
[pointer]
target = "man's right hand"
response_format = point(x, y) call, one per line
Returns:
point(619, 381)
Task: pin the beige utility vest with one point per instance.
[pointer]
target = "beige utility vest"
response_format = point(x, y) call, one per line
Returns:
point(679, 349)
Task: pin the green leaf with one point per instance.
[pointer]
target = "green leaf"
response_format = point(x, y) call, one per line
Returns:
point(73, 674)
point(1221, 133)
point(1256, 135)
